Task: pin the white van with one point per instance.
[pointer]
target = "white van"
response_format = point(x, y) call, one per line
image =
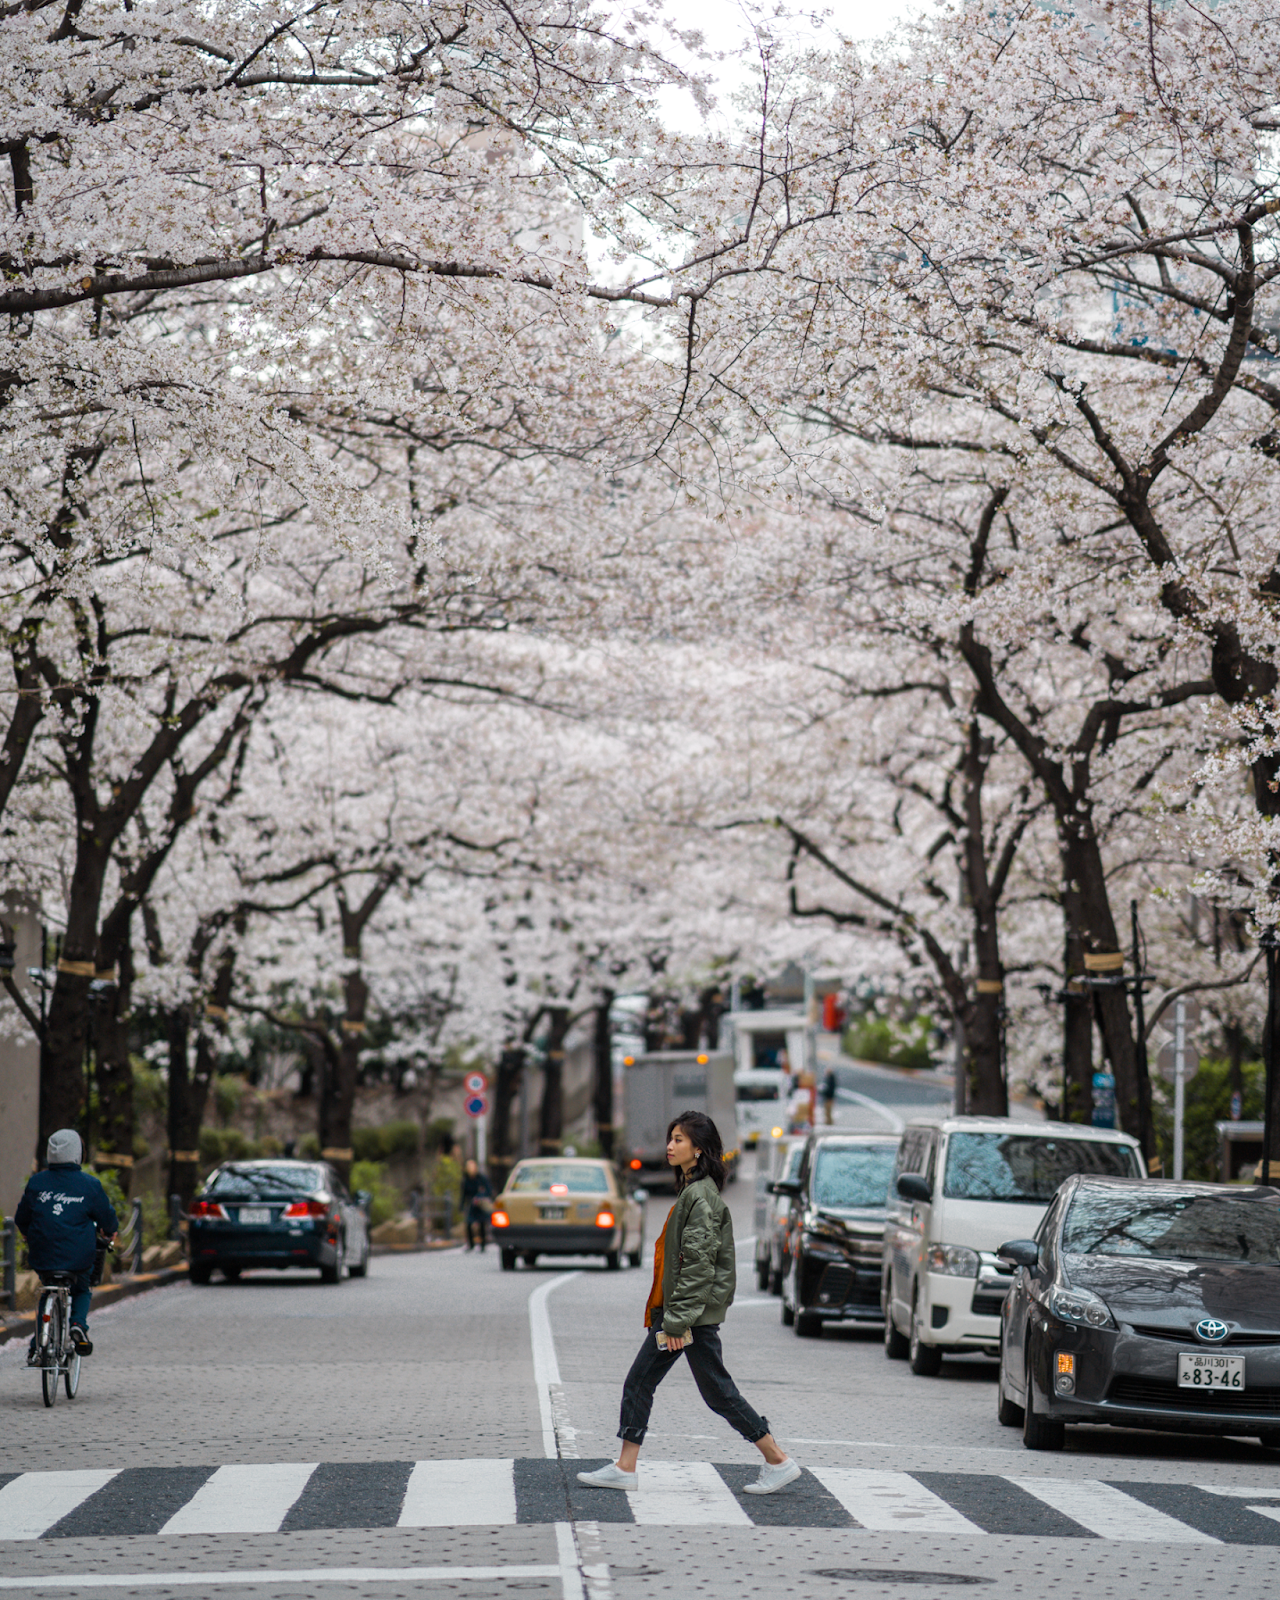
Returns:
point(762, 1104)
point(961, 1187)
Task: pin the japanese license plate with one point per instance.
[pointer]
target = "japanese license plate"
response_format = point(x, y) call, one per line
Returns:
point(553, 1213)
point(252, 1214)
point(1196, 1371)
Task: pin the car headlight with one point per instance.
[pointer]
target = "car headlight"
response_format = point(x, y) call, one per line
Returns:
point(956, 1260)
point(822, 1244)
point(1081, 1306)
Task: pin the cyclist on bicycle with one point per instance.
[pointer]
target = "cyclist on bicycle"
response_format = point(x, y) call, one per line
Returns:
point(61, 1213)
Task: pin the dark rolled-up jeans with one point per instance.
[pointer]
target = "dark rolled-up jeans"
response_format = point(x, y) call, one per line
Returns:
point(715, 1386)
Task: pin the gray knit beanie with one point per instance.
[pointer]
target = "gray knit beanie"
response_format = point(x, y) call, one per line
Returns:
point(64, 1147)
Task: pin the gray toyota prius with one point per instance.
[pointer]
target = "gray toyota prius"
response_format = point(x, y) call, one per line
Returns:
point(1145, 1305)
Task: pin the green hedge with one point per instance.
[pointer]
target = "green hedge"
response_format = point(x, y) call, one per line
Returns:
point(384, 1142)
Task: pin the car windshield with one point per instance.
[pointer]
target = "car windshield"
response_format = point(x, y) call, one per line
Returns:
point(758, 1091)
point(1026, 1167)
point(853, 1175)
point(259, 1183)
point(540, 1177)
point(1172, 1227)
point(794, 1162)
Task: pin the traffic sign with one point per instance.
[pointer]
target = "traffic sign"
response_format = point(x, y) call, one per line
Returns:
point(1167, 1062)
point(475, 1105)
point(475, 1083)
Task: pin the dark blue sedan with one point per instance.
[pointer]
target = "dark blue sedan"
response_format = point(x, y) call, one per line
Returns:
point(277, 1214)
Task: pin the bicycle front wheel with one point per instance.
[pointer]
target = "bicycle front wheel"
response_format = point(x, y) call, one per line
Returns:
point(51, 1350)
point(71, 1375)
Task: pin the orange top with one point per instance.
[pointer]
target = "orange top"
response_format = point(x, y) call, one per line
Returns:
point(654, 1302)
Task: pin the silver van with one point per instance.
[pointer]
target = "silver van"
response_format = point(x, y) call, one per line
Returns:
point(961, 1187)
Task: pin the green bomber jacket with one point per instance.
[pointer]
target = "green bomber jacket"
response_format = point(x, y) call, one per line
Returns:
point(698, 1271)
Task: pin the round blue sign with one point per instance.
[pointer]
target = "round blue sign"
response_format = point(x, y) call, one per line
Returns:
point(475, 1105)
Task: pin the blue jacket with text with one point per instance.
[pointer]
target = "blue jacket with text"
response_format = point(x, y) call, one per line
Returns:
point(60, 1213)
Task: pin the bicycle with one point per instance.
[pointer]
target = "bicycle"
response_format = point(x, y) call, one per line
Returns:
point(56, 1355)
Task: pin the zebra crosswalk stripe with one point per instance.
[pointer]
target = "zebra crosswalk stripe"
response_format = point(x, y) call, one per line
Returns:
point(892, 1502)
point(243, 1499)
point(289, 1497)
point(1109, 1512)
point(31, 1503)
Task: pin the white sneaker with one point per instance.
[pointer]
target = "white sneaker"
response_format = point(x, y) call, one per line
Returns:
point(772, 1479)
point(610, 1477)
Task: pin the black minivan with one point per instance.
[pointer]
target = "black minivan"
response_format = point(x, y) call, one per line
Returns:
point(835, 1245)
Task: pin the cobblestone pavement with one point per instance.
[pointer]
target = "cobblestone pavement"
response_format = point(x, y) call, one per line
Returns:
point(389, 1437)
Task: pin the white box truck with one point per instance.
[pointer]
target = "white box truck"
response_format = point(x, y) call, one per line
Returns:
point(656, 1087)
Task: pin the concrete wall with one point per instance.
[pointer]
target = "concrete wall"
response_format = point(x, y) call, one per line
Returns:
point(19, 1065)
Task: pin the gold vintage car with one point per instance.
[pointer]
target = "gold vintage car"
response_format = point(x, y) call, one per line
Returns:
point(567, 1206)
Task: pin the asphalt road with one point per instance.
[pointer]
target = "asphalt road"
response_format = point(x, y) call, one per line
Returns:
point(417, 1433)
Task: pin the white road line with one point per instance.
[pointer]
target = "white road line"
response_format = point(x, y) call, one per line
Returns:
point(264, 1575)
point(546, 1368)
point(1109, 1512)
point(243, 1499)
point(36, 1500)
point(1270, 1493)
point(570, 1571)
point(679, 1494)
point(894, 1121)
point(892, 1502)
point(445, 1494)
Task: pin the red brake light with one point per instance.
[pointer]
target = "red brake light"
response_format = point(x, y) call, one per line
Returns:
point(604, 1219)
point(635, 1166)
point(207, 1208)
point(307, 1208)
point(499, 1219)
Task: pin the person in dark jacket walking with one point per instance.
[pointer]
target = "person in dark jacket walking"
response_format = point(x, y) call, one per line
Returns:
point(477, 1202)
point(694, 1277)
point(60, 1215)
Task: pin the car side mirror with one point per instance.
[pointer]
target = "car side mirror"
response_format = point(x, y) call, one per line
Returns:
point(911, 1186)
point(1020, 1253)
point(790, 1187)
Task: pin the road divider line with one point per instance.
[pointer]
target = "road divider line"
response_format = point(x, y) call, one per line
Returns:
point(263, 1575)
point(32, 1503)
point(893, 1502)
point(894, 1121)
point(253, 1499)
point(1109, 1512)
point(546, 1367)
point(446, 1494)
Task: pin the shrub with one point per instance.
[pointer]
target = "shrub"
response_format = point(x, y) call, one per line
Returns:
point(384, 1198)
point(873, 1037)
point(385, 1141)
point(228, 1091)
point(1208, 1101)
point(224, 1144)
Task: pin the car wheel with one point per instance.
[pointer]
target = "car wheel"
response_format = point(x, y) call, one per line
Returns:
point(925, 1359)
point(333, 1274)
point(635, 1257)
point(1008, 1412)
point(199, 1275)
point(508, 1260)
point(775, 1280)
point(231, 1274)
point(531, 1258)
point(808, 1326)
point(613, 1260)
point(788, 1315)
point(897, 1347)
point(1269, 1441)
point(361, 1271)
point(762, 1275)
point(1039, 1433)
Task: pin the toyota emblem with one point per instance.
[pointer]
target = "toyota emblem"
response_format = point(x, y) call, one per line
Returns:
point(1211, 1330)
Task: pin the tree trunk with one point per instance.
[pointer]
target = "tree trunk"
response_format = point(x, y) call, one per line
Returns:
point(115, 1120)
point(338, 1103)
point(1077, 1017)
point(62, 1089)
point(186, 1110)
point(506, 1086)
point(551, 1120)
point(603, 1068)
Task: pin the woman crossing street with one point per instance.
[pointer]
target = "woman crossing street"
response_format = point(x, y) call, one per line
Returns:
point(694, 1276)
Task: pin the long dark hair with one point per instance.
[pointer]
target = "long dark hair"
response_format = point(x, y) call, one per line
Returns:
point(704, 1136)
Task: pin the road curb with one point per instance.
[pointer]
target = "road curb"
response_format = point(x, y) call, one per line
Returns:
point(414, 1249)
point(105, 1295)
